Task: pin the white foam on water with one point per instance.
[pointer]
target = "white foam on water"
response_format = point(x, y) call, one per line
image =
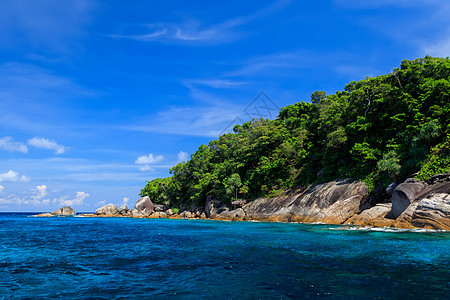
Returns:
point(386, 229)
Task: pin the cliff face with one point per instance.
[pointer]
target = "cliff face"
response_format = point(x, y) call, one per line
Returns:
point(332, 202)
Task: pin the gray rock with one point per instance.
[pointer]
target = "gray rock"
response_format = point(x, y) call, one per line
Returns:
point(159, 207)
point(232, 214)
point(124, 211)
point(390, 189)
point(333, 202)
point(44, 215)
point(169, 212)
point(380, 210)
point(187, 214)
point(404, 194)
point(238, 203)
point(64, 211)
point(214, 207)
point(109, 209)
point(144, 206)
point(160, 214)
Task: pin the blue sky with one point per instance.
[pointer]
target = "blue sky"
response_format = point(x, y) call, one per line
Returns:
point(96, 97)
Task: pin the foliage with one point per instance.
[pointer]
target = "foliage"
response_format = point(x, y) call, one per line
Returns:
point(389, 126)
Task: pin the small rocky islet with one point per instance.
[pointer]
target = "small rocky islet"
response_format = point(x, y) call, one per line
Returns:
point(409, 205)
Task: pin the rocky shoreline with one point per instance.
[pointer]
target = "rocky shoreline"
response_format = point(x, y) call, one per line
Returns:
point(410, 205)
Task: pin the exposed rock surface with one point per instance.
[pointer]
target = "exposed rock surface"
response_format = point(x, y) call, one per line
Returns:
point(213, 207)
point(109, 210)
point(124, 210)
point(159, 207)
point(332, 202)
point(404, 194)
point(236, 214)
point(45, 215)
point(380, 210)
point(64, 211)
point(430, 210)
point(143, 207)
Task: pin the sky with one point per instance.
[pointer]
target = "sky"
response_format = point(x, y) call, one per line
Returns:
point(99, 96)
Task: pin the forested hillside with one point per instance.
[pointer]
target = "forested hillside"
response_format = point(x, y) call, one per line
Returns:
point(380, 129)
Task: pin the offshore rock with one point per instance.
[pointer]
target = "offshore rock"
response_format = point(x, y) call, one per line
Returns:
point(64, 211)
point(108, 210)
point(404, 194)
point(143, 207)
point(45, 215)
point(333, 202)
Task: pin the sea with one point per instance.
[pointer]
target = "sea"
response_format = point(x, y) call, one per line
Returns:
point(125, 258)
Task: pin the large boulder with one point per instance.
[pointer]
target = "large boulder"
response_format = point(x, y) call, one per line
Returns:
point(429, 210)
point(64, 211)
point(214, 207)
point(333, 202)
point(404, 194)
point(380, 210)
point(124, 211)
point(236, 214)
point(109, 210)
point(143, 207)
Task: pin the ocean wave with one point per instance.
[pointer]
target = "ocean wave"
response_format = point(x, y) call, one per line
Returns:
point(386, 229)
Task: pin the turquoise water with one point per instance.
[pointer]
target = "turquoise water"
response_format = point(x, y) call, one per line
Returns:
point(117, 258)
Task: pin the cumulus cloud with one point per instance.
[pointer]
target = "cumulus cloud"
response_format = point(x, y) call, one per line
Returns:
point(125, 199)
point(182, 156)
point(41, 192)
point(78, 200)
point(2, 188)
point(47, 144)
point(145, 160)
point(7, 143)
point(148, 159)
point(12, 176)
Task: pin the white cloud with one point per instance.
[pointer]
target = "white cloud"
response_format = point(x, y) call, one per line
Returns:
point(148, 159)
point(7, 143)
point(12, 176)
point(146, 168)
point(2, 188)
point(100, 203)
point(192, 31)
point(125, 200)
point(41, 192)
point(78, 200)
point(182, 156)
point(47, 144)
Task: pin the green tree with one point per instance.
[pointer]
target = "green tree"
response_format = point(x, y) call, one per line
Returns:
point(233, 184)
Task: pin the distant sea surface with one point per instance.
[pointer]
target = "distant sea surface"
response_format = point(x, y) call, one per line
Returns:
point(118, 258)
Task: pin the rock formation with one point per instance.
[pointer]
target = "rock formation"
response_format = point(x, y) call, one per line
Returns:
point(143, 207)
point(124, 211)
point(107, 210)
point(64, 211)
point(332, 202)
point(404, 194)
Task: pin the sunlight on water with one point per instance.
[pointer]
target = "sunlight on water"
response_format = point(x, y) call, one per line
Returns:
point(108, 258)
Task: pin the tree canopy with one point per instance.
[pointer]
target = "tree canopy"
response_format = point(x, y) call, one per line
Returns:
point(379, 129)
